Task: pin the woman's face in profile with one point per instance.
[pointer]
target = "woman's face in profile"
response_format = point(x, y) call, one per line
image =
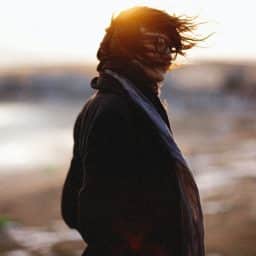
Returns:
point(155, 53)
point(157, 48)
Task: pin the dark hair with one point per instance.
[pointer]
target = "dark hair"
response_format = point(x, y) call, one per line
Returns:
point(121, 38)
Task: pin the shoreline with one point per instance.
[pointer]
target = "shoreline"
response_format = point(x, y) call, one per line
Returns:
point(229, 210)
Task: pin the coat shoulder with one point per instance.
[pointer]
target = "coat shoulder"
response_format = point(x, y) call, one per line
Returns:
point(108, 103)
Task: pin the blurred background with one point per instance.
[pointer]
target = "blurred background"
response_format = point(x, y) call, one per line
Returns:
point(47, 59)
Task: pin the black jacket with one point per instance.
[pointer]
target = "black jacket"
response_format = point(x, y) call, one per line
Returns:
point(120, 189)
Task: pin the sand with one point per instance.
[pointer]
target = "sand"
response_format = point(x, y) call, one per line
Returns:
point(33, 200)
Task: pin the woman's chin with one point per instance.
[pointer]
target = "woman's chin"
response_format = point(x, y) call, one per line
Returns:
point(158, 74)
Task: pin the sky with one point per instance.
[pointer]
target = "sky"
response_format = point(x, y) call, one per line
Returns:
point(50, 31)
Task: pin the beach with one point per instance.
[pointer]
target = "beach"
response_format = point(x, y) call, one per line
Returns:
point(216, 135)
point(230, 217)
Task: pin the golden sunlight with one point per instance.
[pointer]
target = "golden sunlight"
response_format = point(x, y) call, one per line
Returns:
point(56, 31)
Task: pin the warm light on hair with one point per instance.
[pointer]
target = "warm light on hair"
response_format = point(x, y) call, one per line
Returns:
point(123, 34)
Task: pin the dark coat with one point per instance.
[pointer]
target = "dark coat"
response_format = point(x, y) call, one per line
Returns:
point(120, 191)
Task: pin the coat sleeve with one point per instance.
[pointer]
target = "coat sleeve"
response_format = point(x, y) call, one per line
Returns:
point(107, 160)
point(73, 182)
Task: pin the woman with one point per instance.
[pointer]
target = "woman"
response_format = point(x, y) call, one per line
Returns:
point(129, 190)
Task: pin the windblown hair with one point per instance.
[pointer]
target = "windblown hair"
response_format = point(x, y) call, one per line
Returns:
point(121, 38)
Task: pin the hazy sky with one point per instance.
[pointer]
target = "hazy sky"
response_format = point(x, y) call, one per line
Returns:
point(41, 31)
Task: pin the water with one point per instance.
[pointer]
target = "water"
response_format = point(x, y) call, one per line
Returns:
point(218, 140)
point(36, 134)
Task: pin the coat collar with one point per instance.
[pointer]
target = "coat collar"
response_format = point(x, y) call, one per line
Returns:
point(107, 83)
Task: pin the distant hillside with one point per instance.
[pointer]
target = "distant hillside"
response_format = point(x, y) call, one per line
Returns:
point(230, 77)
point(73, 80)
point(46, 82)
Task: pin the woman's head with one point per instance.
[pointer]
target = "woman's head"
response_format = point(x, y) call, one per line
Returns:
point(148, 37)
point(126, 33)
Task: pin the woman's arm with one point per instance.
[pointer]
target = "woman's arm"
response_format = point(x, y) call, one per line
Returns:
point(73, 183)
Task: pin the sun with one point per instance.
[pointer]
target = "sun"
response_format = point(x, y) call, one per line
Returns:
point(99, 13)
